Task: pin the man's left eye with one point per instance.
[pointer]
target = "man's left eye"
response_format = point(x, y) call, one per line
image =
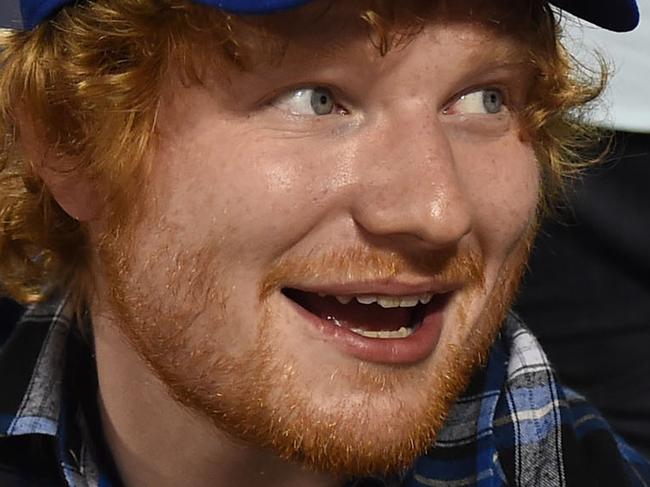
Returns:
point(309, 101)
point(487, 102)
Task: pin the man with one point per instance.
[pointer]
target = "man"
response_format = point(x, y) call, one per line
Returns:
point(275, 244)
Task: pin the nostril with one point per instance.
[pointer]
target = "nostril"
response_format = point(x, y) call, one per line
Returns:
point(439, 221)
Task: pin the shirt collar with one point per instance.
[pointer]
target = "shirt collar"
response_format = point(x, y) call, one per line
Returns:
point(43, 402)
point(465, 449)
point(40, 409)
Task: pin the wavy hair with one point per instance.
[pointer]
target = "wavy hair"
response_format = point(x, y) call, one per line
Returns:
point(89, 81)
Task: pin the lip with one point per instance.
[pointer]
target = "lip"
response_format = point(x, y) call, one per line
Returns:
point(398, 351)
point(384, 288)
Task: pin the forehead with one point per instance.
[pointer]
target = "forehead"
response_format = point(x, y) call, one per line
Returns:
point(329, 27)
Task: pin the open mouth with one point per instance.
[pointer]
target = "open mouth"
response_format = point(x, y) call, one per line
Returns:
point(371, 316)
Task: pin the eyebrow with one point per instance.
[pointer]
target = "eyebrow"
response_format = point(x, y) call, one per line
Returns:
point(504, 57)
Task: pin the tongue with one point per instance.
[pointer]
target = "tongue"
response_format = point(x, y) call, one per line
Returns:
point(367, 317)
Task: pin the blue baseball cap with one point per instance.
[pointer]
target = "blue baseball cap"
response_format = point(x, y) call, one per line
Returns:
point(615, 15)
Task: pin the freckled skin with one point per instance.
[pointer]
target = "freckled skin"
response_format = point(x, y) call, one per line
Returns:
point(237, 185)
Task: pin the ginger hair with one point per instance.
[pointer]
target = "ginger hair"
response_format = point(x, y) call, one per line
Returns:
point(90, 79)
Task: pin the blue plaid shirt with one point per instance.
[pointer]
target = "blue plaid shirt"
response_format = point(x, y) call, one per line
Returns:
point(514, 425)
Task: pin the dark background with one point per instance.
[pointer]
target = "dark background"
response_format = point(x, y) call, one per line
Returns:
point(587, 293)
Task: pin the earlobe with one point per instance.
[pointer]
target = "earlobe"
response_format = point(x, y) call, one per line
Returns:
point(75, 193)
point(72, 188)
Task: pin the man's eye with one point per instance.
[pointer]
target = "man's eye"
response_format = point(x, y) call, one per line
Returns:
point(308, 101)
point(488, 102)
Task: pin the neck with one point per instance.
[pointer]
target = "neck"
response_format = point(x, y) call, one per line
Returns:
point(156, 441)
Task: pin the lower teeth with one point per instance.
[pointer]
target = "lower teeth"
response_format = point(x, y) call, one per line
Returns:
point(403, 332)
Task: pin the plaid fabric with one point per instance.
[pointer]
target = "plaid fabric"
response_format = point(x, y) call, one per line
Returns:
point(514, 426)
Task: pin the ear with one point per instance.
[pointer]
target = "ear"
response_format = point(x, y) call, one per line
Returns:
point(75, 192)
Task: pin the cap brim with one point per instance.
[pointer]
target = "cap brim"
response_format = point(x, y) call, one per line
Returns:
point(615, 15)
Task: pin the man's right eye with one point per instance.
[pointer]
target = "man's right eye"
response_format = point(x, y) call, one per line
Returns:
point(316, 101)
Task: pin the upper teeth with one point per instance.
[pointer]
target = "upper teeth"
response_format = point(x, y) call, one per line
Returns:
point(388, 301)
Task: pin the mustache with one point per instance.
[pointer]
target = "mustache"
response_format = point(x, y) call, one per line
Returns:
point(358, 264)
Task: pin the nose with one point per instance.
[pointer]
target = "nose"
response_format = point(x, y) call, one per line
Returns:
point(409, 182)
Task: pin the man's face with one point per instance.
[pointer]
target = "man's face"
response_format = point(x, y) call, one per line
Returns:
point(329, 241)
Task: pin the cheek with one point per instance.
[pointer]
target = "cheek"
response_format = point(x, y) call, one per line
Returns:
point(251, 195)
point(502, 178)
